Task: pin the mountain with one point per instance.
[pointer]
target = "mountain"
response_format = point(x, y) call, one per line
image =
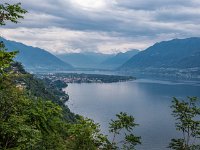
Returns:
point(36, 59)
point(119, 59)
point(84, 60)
point(176, 53)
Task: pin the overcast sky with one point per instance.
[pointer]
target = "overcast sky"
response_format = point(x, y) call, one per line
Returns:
point(108, 26)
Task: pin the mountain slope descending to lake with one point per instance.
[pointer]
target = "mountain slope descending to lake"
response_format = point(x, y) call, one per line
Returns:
point(36, 59)
point(119, 59)
point(178, 58)
point(177, 53)
point(84, 60)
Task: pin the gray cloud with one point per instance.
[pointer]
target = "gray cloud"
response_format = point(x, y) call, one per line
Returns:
point(153, 4)
point(101, 25)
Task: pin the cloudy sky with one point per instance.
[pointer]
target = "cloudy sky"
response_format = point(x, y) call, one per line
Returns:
point(108, 26)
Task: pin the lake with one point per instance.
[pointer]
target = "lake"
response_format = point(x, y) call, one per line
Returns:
point(147, 100)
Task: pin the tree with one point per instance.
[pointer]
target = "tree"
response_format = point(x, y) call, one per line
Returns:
point(15, 132)
point(30, 123)
point(187, 115)
point(124, 124)
point(6, 58)
point(8, 13)
point(85, 135)
point(11, 13)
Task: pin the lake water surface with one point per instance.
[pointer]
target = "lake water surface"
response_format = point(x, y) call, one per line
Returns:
point(147, 100)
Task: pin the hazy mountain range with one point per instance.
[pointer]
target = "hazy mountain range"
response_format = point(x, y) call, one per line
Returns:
point(173, 54)
point(97, 60)
point(119, 59)
point(85, 60)
point(36, 59)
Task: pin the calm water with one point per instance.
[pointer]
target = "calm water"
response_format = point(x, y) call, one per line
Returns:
point(147, 100)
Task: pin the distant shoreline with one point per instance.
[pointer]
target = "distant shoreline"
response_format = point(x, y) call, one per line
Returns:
point(85, 78)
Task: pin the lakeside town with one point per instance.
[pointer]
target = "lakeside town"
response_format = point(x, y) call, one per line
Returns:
point(85, 78)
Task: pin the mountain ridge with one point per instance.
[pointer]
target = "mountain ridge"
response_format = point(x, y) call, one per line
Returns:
point(167, 54)
point(34, 58)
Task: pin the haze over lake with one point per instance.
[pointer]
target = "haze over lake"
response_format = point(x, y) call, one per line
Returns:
point(147, 100)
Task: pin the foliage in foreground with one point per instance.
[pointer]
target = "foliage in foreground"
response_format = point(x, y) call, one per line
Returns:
point(27, 123)
point(124, 124)
point(11, 13)
point(30, 121)
point(187, 115)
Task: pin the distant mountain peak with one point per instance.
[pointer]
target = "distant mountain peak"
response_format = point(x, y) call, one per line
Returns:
point(119, 59)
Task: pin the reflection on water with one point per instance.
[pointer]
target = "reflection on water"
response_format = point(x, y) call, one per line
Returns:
point(147, 100)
